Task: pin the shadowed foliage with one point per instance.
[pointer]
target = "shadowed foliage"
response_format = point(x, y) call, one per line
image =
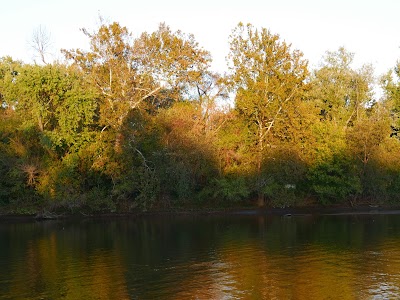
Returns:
point(143, 123)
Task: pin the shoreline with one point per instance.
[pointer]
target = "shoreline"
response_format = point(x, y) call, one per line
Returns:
point(252, 211)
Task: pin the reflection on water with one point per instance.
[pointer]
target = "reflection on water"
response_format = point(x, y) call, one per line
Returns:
point(231, 257)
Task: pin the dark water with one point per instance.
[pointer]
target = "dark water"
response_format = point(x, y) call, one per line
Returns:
point(214, 257)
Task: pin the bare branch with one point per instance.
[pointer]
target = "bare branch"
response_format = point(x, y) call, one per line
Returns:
point(41, 42)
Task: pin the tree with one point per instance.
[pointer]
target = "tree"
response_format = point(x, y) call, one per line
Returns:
point(137, 79)
point(111, 67)
point(365, 136)
point(41, 43)
point(341, 92)
point(175, 60)
point(55, 100)
point(177, 63)
point(341, 96)
point(391, 86)
point(149, 71)
point(54, 116)
point(268, 77)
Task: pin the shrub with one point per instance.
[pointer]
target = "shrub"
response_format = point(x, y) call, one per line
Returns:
point(231, 188)
point(334, 180)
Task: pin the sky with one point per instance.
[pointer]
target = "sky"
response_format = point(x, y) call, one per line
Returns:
point(369, 28)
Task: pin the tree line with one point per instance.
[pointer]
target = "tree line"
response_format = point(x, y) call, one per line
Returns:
point(143, 123)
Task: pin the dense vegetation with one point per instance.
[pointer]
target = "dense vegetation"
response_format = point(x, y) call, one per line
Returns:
point(135, 124)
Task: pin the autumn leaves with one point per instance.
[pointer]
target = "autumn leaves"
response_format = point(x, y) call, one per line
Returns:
point(140, 123)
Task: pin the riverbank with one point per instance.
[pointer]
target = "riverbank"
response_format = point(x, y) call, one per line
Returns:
point(253, 211)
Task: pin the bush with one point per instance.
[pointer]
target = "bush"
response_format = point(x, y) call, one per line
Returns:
point(334, 180)
point(280, 195)
point(232, 189)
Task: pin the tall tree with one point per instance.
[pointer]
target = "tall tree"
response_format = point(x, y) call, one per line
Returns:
point(157, 67)
point(367, 134)
point(175, 60)
point(391, 86)
point(41, 43)
point(340, 91)
point(268, 77)
point(111, 67)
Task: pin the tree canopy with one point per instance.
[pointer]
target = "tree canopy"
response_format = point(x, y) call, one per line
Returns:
point(144, 123)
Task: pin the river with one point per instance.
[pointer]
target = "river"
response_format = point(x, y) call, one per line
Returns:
point(202, 257)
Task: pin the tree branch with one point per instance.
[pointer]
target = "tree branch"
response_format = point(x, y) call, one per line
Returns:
point(135, 104)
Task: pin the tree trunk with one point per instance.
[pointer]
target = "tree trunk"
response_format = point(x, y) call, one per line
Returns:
point(40, 124)
point(260, 200)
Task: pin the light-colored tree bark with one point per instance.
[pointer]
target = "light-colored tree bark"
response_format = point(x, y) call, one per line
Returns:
point(41, 43)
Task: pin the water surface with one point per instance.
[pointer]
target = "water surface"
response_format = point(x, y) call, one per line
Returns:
point(202, 257)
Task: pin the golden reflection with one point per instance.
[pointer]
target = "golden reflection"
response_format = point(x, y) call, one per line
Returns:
point(314, 273)
point(255, 279)
point(380, 270)
point(101, 277)
point(242, 264)
point(323, 274)
point(51, 268)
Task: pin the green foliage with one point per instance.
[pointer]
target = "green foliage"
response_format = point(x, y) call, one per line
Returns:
point(379, 185)
point(280, 195)
point(394, 189)
point(340, 91)
point(380, 176)
point(137, 189)
point(7, 182)
point(176, 60)
point(391, 86)
point(283, 177)
point(234, 144)
point(268, 77)
point(231, 189)
point(54, 100)
point(136, 124)
point(334, 180)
